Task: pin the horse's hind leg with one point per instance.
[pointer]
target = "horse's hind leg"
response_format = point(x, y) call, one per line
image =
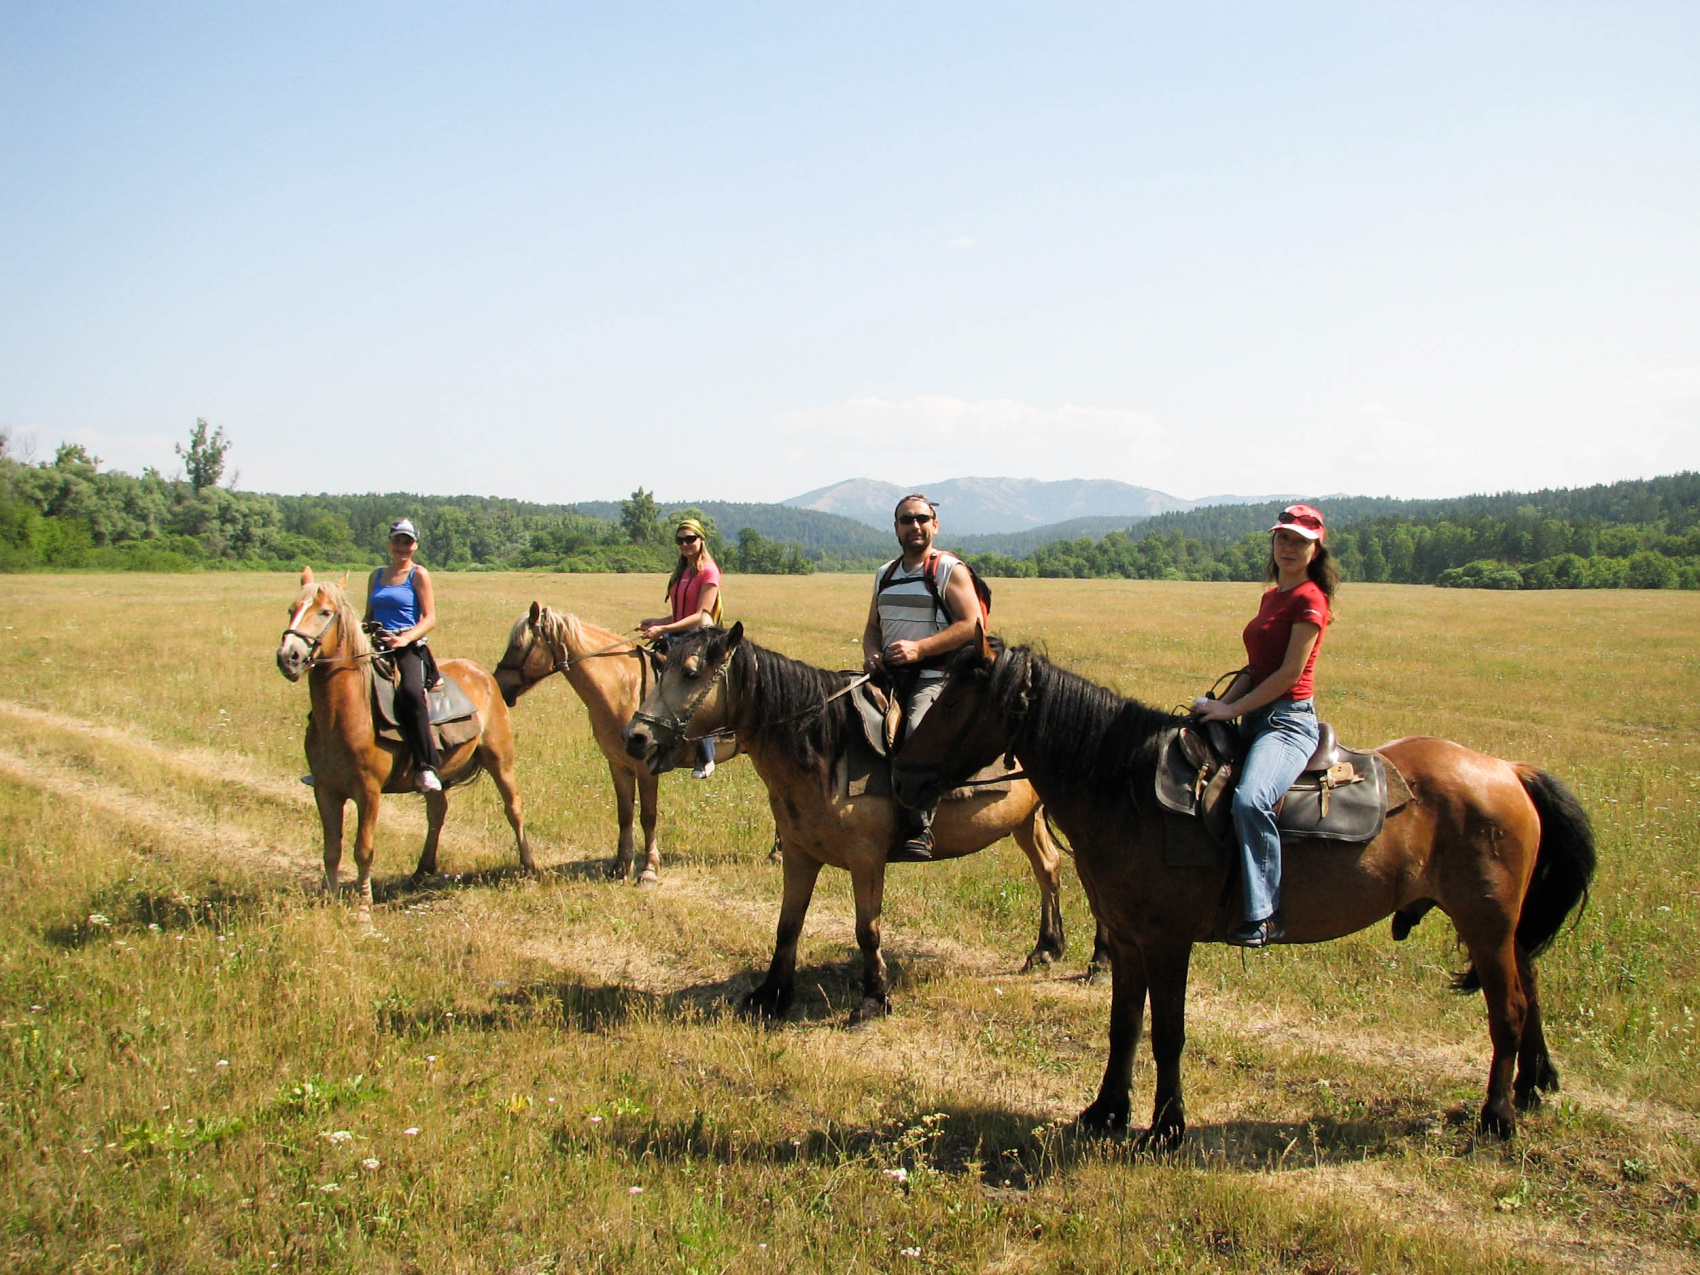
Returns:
point(1507, 1011)
point(501, 768)
point(331, 806)
point(1109, 1110)
point(773, 997)
point(1043, 853)
point(648, 790)
point(1535, 1071)
point(1100, 963)
point(436, 808)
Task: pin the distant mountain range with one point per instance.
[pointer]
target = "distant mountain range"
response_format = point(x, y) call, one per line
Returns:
point(992, 506)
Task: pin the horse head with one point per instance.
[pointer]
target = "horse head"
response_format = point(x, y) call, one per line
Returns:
point(534, 653)
point(689, 699)
point(317, 618)
point(962, 732)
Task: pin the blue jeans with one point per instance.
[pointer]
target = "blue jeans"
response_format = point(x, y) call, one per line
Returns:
point(1282, 736)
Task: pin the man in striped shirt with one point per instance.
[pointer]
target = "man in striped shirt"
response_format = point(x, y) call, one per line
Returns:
point(923, 609)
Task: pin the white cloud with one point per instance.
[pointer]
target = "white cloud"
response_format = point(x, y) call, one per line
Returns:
point(939, 436)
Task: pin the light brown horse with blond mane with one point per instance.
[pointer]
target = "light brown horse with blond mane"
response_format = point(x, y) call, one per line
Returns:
point(348, 760)
point(611, 674)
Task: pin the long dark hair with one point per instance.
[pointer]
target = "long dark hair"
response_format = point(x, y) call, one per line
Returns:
point(1323, 572)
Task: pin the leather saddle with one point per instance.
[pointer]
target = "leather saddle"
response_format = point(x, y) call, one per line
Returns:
point(1342, 794)
point(453, 714)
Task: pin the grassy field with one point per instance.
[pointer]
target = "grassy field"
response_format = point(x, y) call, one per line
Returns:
point(205, 1065)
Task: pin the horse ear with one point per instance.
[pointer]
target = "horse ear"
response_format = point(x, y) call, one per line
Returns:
point(342, 583)
point(306, 575)
point(983, 640)
point(735, 636)
point(536, 612)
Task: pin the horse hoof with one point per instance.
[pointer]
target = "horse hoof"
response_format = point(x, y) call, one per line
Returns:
point(647, 878)
point(765, 1004)
point(1102, 1117)
point(1496, 1126)
point(1037, 960)
point(1160, 1141)
point(871, 1009)
point(1095, 975)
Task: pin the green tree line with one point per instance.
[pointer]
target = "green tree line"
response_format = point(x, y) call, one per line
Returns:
point(1626, 535)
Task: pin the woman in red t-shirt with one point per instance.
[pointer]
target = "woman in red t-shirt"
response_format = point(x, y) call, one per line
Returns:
point(693, 595)
point(1273, 698)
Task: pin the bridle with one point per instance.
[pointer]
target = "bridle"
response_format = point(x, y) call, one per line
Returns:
point(678, 721)
point(562, 659)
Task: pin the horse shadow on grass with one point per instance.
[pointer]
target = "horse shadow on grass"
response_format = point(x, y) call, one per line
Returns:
point(1008, 1151)
point(127, 908)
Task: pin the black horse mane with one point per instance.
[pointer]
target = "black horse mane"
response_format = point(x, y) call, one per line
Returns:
point(1085, 737)
point(782, 701)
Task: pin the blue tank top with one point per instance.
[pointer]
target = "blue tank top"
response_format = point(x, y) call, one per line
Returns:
point(395, 606)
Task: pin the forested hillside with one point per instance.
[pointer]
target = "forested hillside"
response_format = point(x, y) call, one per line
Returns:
point(1641, 534)
point(70, 513)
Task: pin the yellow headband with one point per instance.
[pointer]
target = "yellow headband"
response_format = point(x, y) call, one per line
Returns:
point(691, 524)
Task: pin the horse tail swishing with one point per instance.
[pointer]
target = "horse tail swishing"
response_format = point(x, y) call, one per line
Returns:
point(1564, 868)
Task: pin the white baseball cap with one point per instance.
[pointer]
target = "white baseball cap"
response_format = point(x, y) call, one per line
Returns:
point(405, 527)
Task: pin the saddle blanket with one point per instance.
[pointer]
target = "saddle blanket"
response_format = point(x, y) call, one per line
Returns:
point(453, 714)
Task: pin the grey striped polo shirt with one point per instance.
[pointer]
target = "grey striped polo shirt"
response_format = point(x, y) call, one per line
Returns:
point(907, 611)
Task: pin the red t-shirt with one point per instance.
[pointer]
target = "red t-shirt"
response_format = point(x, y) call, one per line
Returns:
point(687, 593)
point(1271, 632)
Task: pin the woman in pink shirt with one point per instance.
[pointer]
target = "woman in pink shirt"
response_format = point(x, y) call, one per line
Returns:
point(693, 595)
point(1273, 698)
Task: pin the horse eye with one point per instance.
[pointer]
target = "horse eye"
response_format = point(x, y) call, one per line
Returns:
point(692, 666)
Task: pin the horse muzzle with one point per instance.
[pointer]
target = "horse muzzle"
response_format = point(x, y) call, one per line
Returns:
point(291, 663)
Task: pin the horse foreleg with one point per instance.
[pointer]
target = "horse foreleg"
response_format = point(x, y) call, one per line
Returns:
point(625, 795)
point(773, 997)
point(1507, 1010)
point(1100, 963)
point(365, 843)
point(1045, 856)
point(501, 770)
point(1535, 1071)
point(331, 806)
point(869, 885)
point(1109, 1110)
point(648, 790)
point(436, 808)
point(1166, 974)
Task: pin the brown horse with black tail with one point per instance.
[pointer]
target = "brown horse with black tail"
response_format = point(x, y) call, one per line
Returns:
point(1504, 849)
point(349, 761)
point(795, 721)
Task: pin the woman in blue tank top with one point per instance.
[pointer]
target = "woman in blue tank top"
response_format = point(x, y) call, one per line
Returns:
point(399, 598)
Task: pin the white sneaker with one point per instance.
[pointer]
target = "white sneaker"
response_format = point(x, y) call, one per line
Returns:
point(703, 771)
point(427, 781)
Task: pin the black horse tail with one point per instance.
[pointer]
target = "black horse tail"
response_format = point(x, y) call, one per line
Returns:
point(1564, 867)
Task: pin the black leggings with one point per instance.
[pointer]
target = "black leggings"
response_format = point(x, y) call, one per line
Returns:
point(412, 715)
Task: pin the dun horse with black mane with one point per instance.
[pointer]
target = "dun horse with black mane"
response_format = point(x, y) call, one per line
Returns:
point(349, 761)
point(1502, 848)
point(795, 722)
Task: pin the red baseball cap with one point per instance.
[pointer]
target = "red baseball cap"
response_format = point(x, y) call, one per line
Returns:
point(1304, 519)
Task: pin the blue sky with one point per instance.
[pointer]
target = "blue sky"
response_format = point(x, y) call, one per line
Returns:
point(738, 252)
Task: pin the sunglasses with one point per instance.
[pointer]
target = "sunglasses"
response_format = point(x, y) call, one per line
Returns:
point(1302, 520)
point(910, 520)
point(686, 540)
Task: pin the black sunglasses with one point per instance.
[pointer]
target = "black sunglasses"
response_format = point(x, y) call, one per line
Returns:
point(910, 520)
point(686, 540)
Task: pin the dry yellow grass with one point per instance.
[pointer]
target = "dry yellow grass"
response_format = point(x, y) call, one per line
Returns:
point(177, 1074)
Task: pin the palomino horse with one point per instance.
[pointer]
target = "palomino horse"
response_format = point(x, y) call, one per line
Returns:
point(348, 760)
point(793, 720)
point(611, 675)
point(1503, 849)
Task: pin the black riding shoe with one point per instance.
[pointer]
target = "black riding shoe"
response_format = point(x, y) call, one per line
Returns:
point(917, 849)
point(1271, 929)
